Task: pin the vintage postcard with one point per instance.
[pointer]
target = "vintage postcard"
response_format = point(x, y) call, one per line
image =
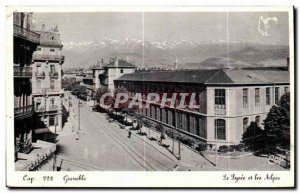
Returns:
point(150, 97)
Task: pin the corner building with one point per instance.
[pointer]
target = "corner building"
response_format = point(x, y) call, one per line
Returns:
point(46, 81)
point(226, 100)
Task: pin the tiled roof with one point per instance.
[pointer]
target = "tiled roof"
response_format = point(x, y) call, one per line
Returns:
point(121, 63)
point(98, 67)
point(219, 76)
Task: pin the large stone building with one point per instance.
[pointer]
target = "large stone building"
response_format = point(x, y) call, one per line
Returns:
point(46, 80)
point(25, 42)
point(104, 75)
point(227, 100)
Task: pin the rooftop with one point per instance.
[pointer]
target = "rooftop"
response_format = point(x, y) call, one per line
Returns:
point(218, 76)
point(49, 38)
point(120, 64)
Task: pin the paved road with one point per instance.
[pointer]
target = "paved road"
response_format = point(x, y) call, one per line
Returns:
point(107, 146)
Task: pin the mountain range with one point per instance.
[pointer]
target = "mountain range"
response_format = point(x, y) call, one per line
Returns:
point(163, 54)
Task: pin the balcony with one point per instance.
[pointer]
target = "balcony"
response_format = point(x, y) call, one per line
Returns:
point(22, 72)
point(41, 109)
point(220, 111)
point(53, 108)
point(53, 74)
point(40, 74)
point(23, 112)
point(37, 56)
point(47, 91)
point(26, 34)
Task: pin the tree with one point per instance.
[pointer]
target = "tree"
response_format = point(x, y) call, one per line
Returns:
point(254, 137)
point(277, 123)
point(122, 106)
point(100, 92)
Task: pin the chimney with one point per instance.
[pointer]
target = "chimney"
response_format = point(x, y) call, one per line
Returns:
point(116, 62)
point(101, 63)
point(55, 29)
point(288, 63)
point(175, 64)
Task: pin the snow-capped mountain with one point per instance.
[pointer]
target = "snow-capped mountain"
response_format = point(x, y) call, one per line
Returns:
point(145, 53)
point(131, 41)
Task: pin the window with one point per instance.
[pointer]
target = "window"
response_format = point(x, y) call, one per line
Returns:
point(52, 84)
point(257, 120)
point(38, 85)
point(51, 120)
point(121, 71)
point(220, 129)
point(219, 98)
point(286, 89)
point(245, 98)
point(166, 118)
point(197, 126)
point(52, 69)
point(37, 105)
point(257, 99)
point(51, 102)
point(276, 94)
point(173, 118)
point(179, 120)
point(52, 50)
point(245, 123)
point(158, 114)
point(188, 123)
point(267, 96)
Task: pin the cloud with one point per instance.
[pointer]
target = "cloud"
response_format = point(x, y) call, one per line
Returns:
point(264, 25)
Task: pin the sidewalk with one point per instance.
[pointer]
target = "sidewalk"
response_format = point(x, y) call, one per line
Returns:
point(193, 160)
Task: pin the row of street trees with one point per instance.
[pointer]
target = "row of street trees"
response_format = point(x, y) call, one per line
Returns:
point(124, 108)
point(74, 86)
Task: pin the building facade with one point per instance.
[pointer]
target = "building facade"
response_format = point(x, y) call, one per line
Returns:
point(46, 81)
point(25, 42)
point(226, 101)
point(104, 75)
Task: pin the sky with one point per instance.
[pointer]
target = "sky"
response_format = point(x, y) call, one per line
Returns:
point(254, 27)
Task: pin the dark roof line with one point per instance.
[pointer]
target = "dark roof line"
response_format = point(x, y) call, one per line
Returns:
point(216, 76)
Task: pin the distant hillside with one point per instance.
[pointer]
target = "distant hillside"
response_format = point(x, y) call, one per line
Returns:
point(255, 55)
point(189, 54)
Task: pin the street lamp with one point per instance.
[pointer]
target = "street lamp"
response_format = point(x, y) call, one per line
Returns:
point(55, 152)
point(78, 129)
point(179, 150)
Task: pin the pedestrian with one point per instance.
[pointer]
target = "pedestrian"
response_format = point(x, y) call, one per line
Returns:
point(129, 133)
point(176, 168)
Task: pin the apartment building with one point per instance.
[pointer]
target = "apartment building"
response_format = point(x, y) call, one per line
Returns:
point(105, 74)
point(25, 42)
point(46, 81)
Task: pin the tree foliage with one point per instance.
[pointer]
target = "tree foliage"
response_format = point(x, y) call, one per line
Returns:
point(254, 137)
point(100, 92)
point(277, 123)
